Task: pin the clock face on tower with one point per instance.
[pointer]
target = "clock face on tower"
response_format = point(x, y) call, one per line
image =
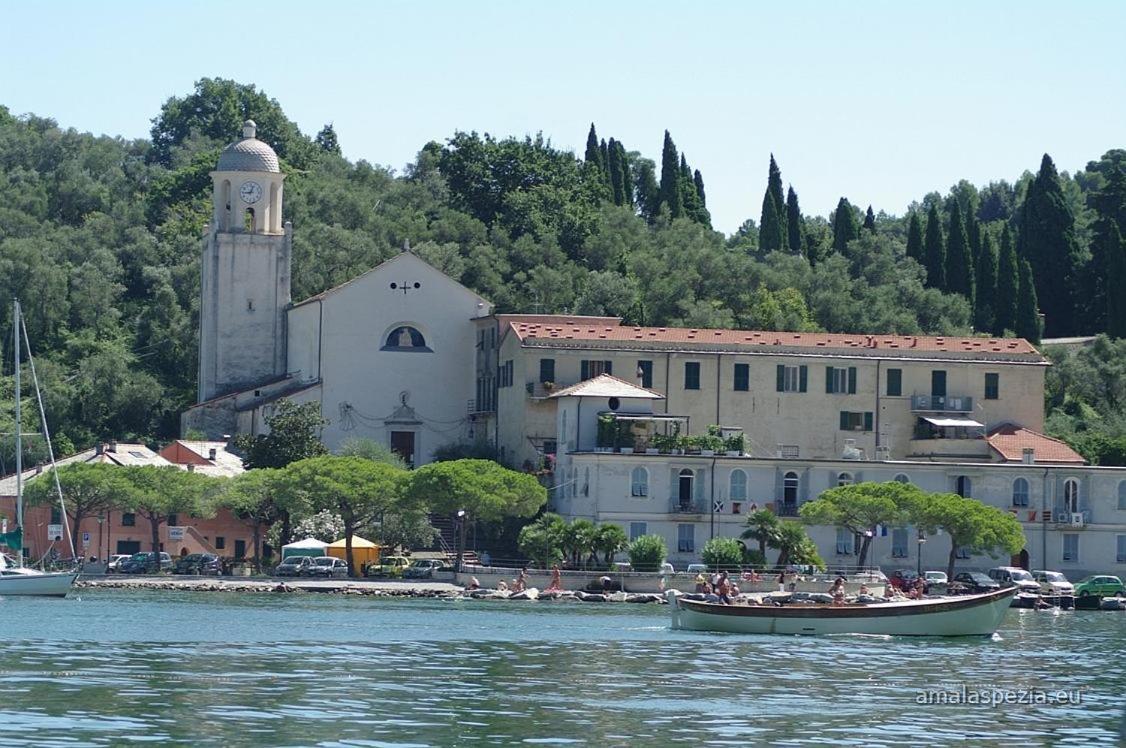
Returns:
point(251, 192)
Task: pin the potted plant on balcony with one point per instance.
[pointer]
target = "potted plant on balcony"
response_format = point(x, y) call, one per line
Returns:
point(735, 445)
point(549, 387)
point(624, 439)
point(664, 443)
point(606, 429)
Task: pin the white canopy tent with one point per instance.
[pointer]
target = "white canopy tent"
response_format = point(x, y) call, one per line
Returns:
point(306, 547)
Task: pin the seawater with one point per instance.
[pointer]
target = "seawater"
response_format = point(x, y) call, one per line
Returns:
point(121, 667)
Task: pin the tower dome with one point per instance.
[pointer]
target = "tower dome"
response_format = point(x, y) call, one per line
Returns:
point(248, 154)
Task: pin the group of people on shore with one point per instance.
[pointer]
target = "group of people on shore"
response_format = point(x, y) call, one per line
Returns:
point(719, 588)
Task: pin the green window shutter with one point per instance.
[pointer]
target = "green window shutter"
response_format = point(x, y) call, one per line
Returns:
point(829, 379)
point(844, 420)
point(852, 380)
point(608, 367)
point(895, 382)
point(584, 369)
point(803, 376)
point(868, 421)
point(781, 378)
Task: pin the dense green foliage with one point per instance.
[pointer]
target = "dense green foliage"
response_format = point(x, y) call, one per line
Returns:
point(647, 553)
point(722, 553)
point(101, 238)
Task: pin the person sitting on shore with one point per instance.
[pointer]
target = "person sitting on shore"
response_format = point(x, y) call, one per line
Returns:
point(473, 584)
point(502, 586)
point(520, 583)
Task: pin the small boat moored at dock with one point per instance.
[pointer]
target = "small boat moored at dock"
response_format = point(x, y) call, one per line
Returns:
point(965, 615)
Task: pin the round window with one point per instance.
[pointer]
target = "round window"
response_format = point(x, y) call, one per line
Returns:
point(615, 403)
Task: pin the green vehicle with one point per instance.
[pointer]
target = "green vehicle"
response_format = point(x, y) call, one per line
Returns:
point(1102, 585)
point(388, 566)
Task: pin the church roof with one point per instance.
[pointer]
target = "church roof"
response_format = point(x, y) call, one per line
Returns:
point(605, 385)
point(248, 154)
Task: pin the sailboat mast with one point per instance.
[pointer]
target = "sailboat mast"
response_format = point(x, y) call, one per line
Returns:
point(19, 422)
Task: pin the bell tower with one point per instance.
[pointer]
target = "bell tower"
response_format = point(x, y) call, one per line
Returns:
point(244, 288)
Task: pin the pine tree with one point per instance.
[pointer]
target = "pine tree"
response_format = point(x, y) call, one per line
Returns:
point(934, 251)
point(648, 193)
point(768, 235)
point(627, 176)
point(915, 238)
point(1028, 319)
point(845, 226)
point(959, 260)
point(985, 287)
point(669, 194)
point(593, 152)
point(1047, 240)
point(870, 220)
point(1115, 252)
point(793, 223)
point(1008, 286)
point(327, 141)
point(615, 168)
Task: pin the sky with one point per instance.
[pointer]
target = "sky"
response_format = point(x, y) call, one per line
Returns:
point(880, 102)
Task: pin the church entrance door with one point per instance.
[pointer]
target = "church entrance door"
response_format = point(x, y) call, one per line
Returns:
point(402, 444)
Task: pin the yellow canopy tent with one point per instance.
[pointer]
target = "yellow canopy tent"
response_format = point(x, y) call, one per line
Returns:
point(364, 552)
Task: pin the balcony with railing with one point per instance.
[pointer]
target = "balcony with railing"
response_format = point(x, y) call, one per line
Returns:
point(941, 403)
point(677, 506)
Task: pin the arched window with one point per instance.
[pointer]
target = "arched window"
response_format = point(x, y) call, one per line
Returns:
point(1071, 495)
point(901, 478)
point(639, 482)
point(274, 207)
point(225, 215)
point(248, 221)
point(1122, 495)
point(790, 484)
point(405, 338)
point(685, 479)
point(963, 486)
point(844, 479)
point(738, 485)
point(1020, 492)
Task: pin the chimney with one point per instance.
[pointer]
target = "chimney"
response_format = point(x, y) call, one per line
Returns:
point(99, 449)
point(211, 453)
point(191, 467)
point(38, 468)
point(112, 446)
point(1028, 456)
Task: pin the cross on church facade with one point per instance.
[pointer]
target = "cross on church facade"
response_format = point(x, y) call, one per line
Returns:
point(406, 286)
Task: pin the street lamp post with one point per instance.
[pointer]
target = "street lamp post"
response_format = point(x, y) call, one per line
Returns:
point(462, 518)
point(922, 538)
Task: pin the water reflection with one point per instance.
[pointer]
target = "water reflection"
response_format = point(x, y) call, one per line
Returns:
point(246, 670)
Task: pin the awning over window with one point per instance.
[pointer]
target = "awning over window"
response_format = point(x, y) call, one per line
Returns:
point(964, 422)
point(642, 416)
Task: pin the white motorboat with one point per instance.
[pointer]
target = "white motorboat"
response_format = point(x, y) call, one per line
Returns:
point(20, 580)
point(966, 615)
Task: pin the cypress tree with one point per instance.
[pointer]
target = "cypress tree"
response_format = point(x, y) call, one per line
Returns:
point(870, 220)
point(648, 193)
point(1115, 253)
point(690, 197)
point(934, 251)
point(605, 159)
point(793, 222)
point(1047, 240)
point(1028, 320)
point(774, 196)
point(616, 183)
point(593, 152)
point(959, 261)
point(627, 176)
point(845, 227)
point(698, 181)
point(770, 233)
point(1008, 286)
point(985, 287)
point(670, 179)
point(915, 238)
point(973, 231)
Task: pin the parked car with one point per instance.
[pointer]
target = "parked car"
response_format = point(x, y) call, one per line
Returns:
point(975, 581)
point(1014, 576)
point(146, 562)
point(204, 564)
point(388, 566)
point(1102, 585)
point(294, 566)
point(424, 568)
point(115, 561)
point(904, 579)
point(1053, 583)
point(935, 577)
point(328, 566)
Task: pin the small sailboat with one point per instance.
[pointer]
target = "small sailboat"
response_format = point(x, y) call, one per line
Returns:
point(965, 615)
point(15, 578)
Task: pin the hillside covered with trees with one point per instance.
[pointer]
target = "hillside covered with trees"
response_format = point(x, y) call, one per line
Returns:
point(100, 238)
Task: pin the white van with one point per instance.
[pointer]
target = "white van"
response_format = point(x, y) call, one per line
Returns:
point(1012, 576)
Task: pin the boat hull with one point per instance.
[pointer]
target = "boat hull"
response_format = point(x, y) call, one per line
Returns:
point(38, 585)
point(969, 615)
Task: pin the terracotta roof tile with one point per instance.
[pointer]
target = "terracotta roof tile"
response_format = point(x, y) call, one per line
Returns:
point(1010, 441)
point(534, 327)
